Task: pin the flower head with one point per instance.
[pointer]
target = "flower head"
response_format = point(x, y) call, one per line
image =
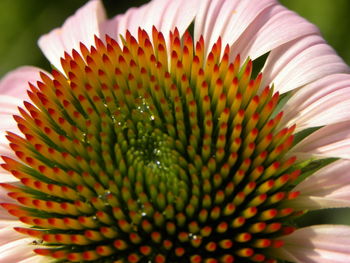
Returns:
point(148, 143)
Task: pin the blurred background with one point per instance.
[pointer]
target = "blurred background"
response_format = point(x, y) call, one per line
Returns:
point(22, 22)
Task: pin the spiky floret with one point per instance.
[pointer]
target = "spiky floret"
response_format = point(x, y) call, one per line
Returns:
point(152, 152)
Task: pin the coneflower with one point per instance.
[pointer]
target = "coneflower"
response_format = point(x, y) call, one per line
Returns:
point(149, 143)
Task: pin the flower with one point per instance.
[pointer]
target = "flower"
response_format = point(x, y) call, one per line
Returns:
point(148, 143)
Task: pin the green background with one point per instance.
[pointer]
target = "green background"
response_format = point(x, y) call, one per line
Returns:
point(22, 22)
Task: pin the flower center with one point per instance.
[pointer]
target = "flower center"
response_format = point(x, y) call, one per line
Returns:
point(151, 152)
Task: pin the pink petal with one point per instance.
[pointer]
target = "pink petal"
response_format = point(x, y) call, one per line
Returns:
point(333, 108)
point(165, 15)
point(5, 216)
point(298, 54)
point(8, 108)
point(330, 141)
point(206, 20)
point(4, 198)
point(36, 259)
point(80, 27)
point(6, 219)
point(317, 244)
point(121, 23)
point(15, 83)
point(320, 103)
point(320, 190)
point(235, 17)
point(6, 177)
point(17, 250)
point(251, 27)
point(10, 223)
point(273, 29)
point(322, 182)
point(300, 62)
point(179, 14)
point(315, 202)
point(9, 233)
point(5, 150)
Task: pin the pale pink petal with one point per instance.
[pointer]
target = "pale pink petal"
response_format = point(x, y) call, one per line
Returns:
point(15, 83)
point(10, 249)
point(81, 27)
point(317, 244)
point(333, 108)
point(4, 198)
point(10, 234)
point(36, 259)
point(271, 29)
point(322, 182)
point(251, 28)
point(315, 202)
point(17, 250)
point(206, 19)
point(328, 187)
point(180, 14)
point(6, 219)
point(8, 108)
point(120, 24)
point(6, 177)
point(330, 141)
point(235, 18)
point(165, 15)
point(320, 103)
point(14, 247)
point(300, 62)
point(5, 150)
point(10, 223)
